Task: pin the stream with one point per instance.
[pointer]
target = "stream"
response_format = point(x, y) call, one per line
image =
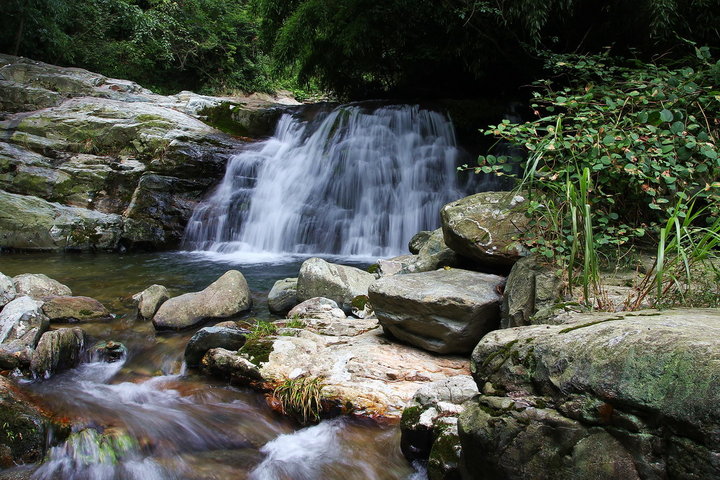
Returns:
point(147, 418)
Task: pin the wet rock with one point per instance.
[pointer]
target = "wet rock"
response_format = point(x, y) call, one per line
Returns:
point(318, 307)
point(7, 290)
point(230, 365)
point(432, 254)
point(531, 291)
point(149, 300)
point(58, 350)
point(604, 396)
point(39, 286)
point(418, 240)
point(445, 311)
point(109, 352)
point(213, 337)
point(430, 418)
point(31, 223)
point(283, 296)
point(485, 227)
point(24, 427)
point(75, 309)
point(22, 323)
point(229, 295)
point(340, 283)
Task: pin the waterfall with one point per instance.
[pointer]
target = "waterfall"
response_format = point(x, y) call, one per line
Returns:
point(354, 182)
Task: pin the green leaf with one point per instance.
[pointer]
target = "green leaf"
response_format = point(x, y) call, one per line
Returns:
point(666, 115)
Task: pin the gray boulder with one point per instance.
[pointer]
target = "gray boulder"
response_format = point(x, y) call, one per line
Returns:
point(213, 337)
point(486, 227)
point(149, 300)
point(229, 295)
point(418, 240)
point(533, 288)
point(57, 350)
point(431, 255)
point(75, 309)
point(340, 283)
point(604, 396)
point(22, 323)
point(283, 296)
point(429, 425)
point(445, 311)
point(319, 308)
point(7, 290)
point(39, 286)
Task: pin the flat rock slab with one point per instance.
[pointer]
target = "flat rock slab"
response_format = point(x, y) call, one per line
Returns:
point(605, 395)
point(75, 309)
point(445, 311)
point(361, 368)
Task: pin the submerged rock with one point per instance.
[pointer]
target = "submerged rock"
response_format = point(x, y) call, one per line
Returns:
point(213, 337)
point(39, 286)
point(445, 311)
point(150, 300)
point(109, 351)
point(22, 323)
point(485, 227)
point(75, 309)
point(340, 283)
point(7, 290)
point(229, 295)
point(604, 396)
point(283, 296)
point(58, 350)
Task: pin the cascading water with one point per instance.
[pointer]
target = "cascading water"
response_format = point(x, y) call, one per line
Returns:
point(352, 183)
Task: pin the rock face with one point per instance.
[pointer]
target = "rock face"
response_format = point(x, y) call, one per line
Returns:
point(429, 425)
point(7, 290)
point(89, 162)
point(283, 296)
point(212, 337)
point(229, 295)
point(531, 291)
point(22, 439)
point(39, 286)
point(485, 227)
point(340, 283)
point(150, 300)
point(22, 323)
point(319, 308)
point(605, 396)
point(363, 373)
point(445, 311)
point(75, 309)
point(58, 350)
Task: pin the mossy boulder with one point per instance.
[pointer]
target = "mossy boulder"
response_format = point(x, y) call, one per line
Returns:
point(149, 301)
point(75, 309)
point(213, 337)
point(532, 290)
point(58, 350)
point(283, 296)
point(605, 395)
point(486, 227)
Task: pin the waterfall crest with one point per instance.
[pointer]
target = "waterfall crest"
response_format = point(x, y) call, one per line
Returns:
point(352, 182)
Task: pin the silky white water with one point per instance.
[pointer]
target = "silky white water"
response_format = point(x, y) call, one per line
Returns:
point(355, 182)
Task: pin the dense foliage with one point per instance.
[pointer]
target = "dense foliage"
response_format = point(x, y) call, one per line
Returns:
point(164, 44)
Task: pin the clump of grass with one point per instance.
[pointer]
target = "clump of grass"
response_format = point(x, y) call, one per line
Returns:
point(300, 397)
point(261, 329)
point(295, 323)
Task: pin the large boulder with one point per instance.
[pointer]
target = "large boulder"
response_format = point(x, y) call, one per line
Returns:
point(150, 300)
point(445, 311)
point(229, 295)
point(7, 290)
point(57, 350)
point(532, 291)
point(319, 278)
point(432, 253)
point(22, 323)
point(75, 309)
point(604, 396)
point(39, 286)
point(283, 296)
point(213, 337)
point(24, 427)
point(429, 425)
point(486, 227)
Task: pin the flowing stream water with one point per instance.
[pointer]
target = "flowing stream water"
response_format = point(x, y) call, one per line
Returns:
point(355, 183)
